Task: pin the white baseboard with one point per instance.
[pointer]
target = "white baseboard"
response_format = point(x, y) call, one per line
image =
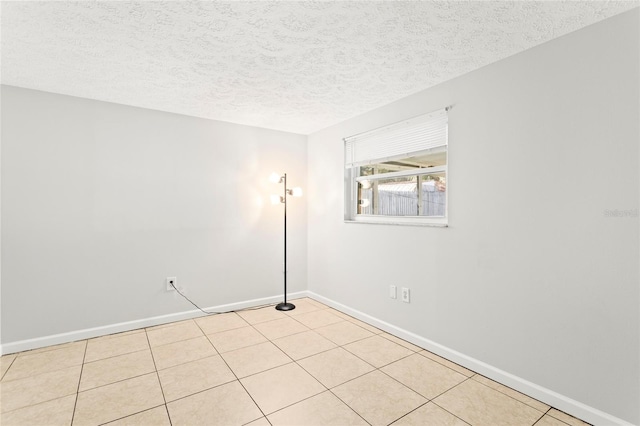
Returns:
point(549, 397)
point(88, 333)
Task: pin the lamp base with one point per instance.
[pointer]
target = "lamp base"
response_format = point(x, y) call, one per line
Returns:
point(285, 306)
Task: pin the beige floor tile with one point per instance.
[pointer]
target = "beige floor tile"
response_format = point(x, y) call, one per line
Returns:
point(423, 375)
point(53, 348)
point(460, 369)
point(430, 414)
point(280, 387)
point(256, 316)
point(114, 369)
point(223, 405)
point(262, 421)
point(187, 379)
point(280, 328)
point(230, 340)
point(570, 420)
point(304, 344)
point(304, 306)
point(222, 322)
point(167, 324)
point(117, 400)
point(176, 333)
point(254, 359)
point(318, 318)
point(124, 333)
point(378, 351)
point(314, 302)
point(44, 362)
point(108, 346)
point(364, 325)
point(5, 363)
point(547, 420)
point(177, 353)
point(121, 334)
point(401, 342)
point(378, 398)
point(155, 417)
point(512, 393)
point(56, 412)
point(36, 389)
point(480, 405)
point(340, 314)
point(335, 367)
point(324, 409)
point(343, 332)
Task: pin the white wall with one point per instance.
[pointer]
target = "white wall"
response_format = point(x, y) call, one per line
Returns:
point(531, 277)
point(101, 202)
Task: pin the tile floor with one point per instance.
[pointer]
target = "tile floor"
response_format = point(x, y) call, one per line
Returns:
point(310, 366)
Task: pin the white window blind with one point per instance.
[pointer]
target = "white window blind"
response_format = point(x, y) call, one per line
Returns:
point(397, 140)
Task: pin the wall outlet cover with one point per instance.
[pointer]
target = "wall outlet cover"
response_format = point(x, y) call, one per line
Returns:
point(171, 280)
point(406, 297)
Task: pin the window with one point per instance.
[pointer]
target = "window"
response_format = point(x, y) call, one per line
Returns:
point(398, 173)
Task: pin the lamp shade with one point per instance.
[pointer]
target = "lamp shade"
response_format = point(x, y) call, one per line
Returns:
point(275, 177)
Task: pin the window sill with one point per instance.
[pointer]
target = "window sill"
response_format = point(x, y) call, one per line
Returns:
point(398, 222)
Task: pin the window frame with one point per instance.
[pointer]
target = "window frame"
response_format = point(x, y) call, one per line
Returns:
point(352, 179)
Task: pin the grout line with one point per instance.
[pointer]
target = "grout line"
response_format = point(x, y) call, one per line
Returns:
point(153, 358)
point(404, 384)
point(234, 375)
point(75, 405)
point(350, 408)
point(445, 365)
point(538, 421)
point(447, 390)
point(117, 381)
point(133, 414)
point(499, 390)
point(385, 334)
point(442, 393)
point(405, 415)
point(377, 368)
point(202, 391)
point(317, 353)
point(116, 356)
point(297, 402)
point(264, 371)
point(166, 408)
point(569, 415)
point(41, 374)
point(454, 415)
point(10, 364)
point(333, 393)
point(350, 342)
point(515, 399)
point(45, 349)
point(280, 337)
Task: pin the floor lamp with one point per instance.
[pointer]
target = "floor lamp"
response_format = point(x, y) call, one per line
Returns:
point(282, 199)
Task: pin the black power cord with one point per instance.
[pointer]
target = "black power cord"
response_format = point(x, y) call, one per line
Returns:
point(216, 313)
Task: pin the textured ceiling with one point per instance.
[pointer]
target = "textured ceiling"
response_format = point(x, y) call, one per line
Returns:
point(294, 66)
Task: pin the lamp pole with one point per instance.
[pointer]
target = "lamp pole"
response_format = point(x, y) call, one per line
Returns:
point(285, 306)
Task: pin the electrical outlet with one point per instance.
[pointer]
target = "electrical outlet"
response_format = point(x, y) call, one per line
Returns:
point(405, 295)
point(171, 283)
point(393, 292)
